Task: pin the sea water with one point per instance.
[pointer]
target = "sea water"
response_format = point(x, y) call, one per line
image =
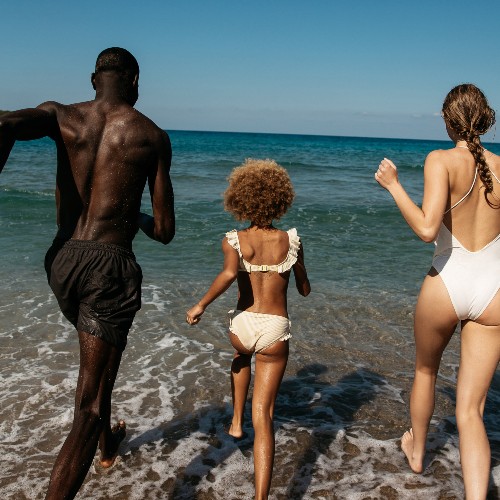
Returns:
point(343, 403)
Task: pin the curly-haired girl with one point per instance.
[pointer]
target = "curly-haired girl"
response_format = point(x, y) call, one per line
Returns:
point(460, 212)
point(261, 258)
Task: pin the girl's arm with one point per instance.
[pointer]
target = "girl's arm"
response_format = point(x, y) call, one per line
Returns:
point(300, 273)
point(220, 284)
point(425, 221)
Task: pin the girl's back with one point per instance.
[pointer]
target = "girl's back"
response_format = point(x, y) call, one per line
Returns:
point(263, 291)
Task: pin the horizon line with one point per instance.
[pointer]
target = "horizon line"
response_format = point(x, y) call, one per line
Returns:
point(314, 135)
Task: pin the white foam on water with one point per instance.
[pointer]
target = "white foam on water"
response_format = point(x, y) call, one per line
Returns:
point(341, 409)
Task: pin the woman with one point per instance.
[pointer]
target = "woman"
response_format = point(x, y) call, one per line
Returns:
point(460, 212)
point(261, 258)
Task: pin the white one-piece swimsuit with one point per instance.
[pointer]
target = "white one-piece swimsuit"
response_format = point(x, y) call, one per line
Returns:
point(471, 278)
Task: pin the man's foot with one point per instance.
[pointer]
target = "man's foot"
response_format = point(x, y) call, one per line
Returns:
point(118, 434)
point(235, 433)
point(407, 447)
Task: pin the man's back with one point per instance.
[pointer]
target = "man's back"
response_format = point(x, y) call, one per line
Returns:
point(106, 151)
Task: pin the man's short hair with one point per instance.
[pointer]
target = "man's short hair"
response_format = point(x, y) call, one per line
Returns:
point(117, 59)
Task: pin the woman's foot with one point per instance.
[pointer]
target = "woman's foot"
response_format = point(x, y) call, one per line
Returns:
point(118, 432)
point(407, 447)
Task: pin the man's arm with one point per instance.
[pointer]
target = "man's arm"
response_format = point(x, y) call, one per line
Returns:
point(25, 125)
point(160, 227)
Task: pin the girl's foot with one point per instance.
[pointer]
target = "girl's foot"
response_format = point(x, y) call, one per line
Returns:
point(234, 433)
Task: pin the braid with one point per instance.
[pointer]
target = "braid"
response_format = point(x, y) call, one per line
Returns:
point(467, 113)
point(476, 148)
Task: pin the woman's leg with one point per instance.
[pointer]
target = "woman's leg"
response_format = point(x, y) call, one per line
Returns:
point(479, 357)
point(435, 322)
point(240, 382)
point(270, 365)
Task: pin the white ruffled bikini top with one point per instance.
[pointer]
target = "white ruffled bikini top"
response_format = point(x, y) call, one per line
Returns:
point(282, 267)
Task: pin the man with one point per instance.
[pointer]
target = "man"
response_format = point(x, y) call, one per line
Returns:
point(106, 151)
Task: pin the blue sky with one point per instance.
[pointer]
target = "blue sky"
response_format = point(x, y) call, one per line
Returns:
point(361, 67)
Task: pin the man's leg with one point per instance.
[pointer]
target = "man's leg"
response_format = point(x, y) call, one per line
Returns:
point(110, 437)
point(99, 363)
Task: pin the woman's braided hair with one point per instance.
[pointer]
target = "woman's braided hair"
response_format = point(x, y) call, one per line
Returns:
point(467, 113)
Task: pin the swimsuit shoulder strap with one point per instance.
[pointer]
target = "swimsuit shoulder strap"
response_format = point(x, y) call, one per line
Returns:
point(294, 240)
point(282, 267)
point(466, 194)
point(293, 250)
point(493, 174)
point(233, 240)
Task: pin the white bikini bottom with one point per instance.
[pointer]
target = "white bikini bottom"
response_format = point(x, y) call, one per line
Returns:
point(257, 331)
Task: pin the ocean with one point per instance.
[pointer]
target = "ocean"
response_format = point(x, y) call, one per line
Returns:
point(343, 403)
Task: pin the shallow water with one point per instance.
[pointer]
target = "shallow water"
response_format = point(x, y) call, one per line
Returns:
point(343, 403)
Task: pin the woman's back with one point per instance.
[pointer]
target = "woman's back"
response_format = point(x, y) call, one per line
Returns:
point(472, 221)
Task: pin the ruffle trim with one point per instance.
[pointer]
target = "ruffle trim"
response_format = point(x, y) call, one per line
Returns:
point(232, 239)
point(282, 267)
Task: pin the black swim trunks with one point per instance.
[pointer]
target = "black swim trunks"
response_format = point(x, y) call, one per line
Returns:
point(97, 285)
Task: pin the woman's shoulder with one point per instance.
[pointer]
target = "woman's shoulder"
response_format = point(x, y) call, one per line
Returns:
point(440, 154)
point(445, 159)
point(491, 157)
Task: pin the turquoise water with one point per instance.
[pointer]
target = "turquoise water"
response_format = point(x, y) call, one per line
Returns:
point(343, 403)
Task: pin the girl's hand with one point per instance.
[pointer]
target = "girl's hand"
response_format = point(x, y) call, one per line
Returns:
point(193, 316)
point(387, 174)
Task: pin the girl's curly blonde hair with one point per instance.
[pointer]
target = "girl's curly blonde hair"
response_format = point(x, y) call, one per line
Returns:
point(259, 191)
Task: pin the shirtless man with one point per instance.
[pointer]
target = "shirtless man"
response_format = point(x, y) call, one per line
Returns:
point(106, 151)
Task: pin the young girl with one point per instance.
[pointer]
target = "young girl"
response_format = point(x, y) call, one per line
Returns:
point(261, 258)
point(461, 213)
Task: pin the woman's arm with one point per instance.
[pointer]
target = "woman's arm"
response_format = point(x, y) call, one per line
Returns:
point(425, 221)
point(220, 284)
point(300, 274)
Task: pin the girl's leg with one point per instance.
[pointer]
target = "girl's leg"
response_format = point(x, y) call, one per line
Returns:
point(435, 322)
point(240, 382)
point(270, 366)
point(480, 354)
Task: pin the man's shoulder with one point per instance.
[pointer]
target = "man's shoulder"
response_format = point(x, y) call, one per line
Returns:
point(64, 112)
point(57, 106)
point(149, 122)
point(152, 129)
